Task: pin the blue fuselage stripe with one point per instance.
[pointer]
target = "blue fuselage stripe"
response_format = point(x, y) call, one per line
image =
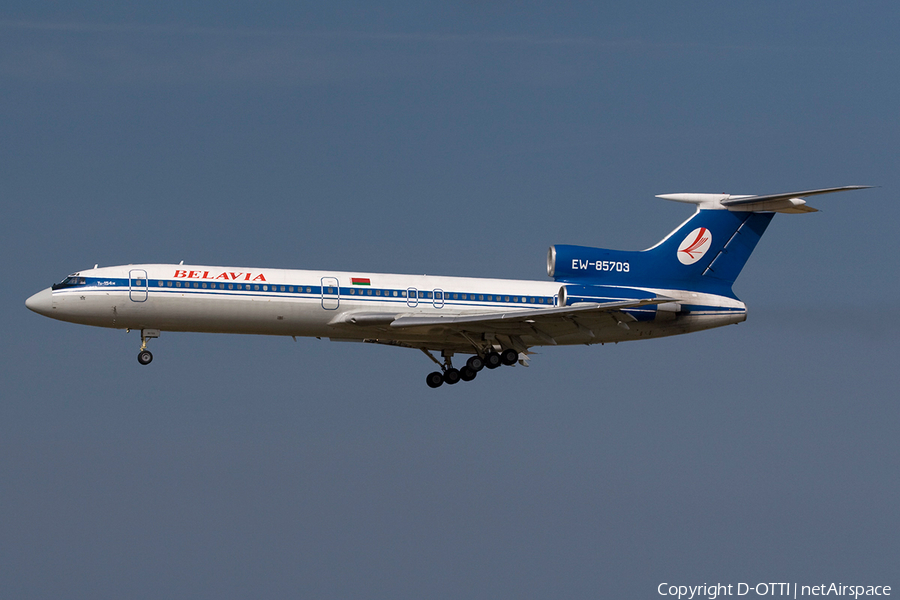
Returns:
point(354, 294)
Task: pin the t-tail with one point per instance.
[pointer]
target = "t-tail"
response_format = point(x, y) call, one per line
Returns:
point(705, 254)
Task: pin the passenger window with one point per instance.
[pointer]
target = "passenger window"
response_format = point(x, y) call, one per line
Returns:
point(177, 284)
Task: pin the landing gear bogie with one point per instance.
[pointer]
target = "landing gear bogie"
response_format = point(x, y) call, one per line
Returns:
point(467, 373)
point(474, 364)
point(451, 376)
point(492, 360)
point(509, 357)
point(435, 379)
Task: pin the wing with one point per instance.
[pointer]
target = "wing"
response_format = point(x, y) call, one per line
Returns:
point(519, 329)
point(544, 325)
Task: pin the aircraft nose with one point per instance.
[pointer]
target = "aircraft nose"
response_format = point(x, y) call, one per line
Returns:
point(42, 302)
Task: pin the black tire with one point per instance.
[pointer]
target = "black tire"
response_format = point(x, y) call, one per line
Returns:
point(492, 360)
point(451, 376)
point(144, 357)
point(434, 380)
point(476, 363)
point(509, 357)
point(467, 373)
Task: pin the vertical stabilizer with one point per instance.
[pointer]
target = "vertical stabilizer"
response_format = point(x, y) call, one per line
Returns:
point(705, 253)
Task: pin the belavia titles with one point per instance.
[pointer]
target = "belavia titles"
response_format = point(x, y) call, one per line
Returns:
point(680, 285)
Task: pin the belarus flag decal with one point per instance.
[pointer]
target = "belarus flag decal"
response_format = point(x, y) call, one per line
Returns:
point(360, 281)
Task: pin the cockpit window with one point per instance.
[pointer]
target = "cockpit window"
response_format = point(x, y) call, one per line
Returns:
point(69, 281)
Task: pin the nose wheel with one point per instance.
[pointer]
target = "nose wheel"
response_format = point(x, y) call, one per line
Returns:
point(145, 356)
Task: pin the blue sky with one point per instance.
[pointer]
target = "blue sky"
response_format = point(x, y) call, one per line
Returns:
point(459, 139)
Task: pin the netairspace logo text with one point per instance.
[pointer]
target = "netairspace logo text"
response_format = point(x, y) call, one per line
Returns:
point(713, 591)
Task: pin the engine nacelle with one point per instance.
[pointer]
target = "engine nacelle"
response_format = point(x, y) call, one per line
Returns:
point(598, 264)
point(574, 293)
point(601, 294)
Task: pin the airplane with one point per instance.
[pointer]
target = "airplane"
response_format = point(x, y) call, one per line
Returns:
point(681, 285)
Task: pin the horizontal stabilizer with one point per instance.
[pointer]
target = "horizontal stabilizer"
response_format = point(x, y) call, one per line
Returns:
point(789, 202)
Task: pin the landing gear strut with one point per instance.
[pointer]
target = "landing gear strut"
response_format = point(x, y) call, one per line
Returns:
point(145, 356)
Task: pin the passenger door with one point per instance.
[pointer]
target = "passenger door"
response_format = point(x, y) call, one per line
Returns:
point(331, 293)
point(138, 286)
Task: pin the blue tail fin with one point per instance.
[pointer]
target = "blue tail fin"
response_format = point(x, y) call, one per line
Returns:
point(705, 254)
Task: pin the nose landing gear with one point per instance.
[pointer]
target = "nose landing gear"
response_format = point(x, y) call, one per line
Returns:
point(145, 356)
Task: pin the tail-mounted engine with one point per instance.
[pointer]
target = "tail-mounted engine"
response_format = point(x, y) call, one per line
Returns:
point(601, 294)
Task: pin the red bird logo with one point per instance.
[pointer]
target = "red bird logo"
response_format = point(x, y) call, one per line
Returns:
point(694, 246)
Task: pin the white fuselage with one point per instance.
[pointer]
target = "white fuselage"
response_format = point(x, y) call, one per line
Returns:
point(337, 305)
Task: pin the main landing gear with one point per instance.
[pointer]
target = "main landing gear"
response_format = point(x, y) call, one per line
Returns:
point(144, 356)
point(450, 375)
